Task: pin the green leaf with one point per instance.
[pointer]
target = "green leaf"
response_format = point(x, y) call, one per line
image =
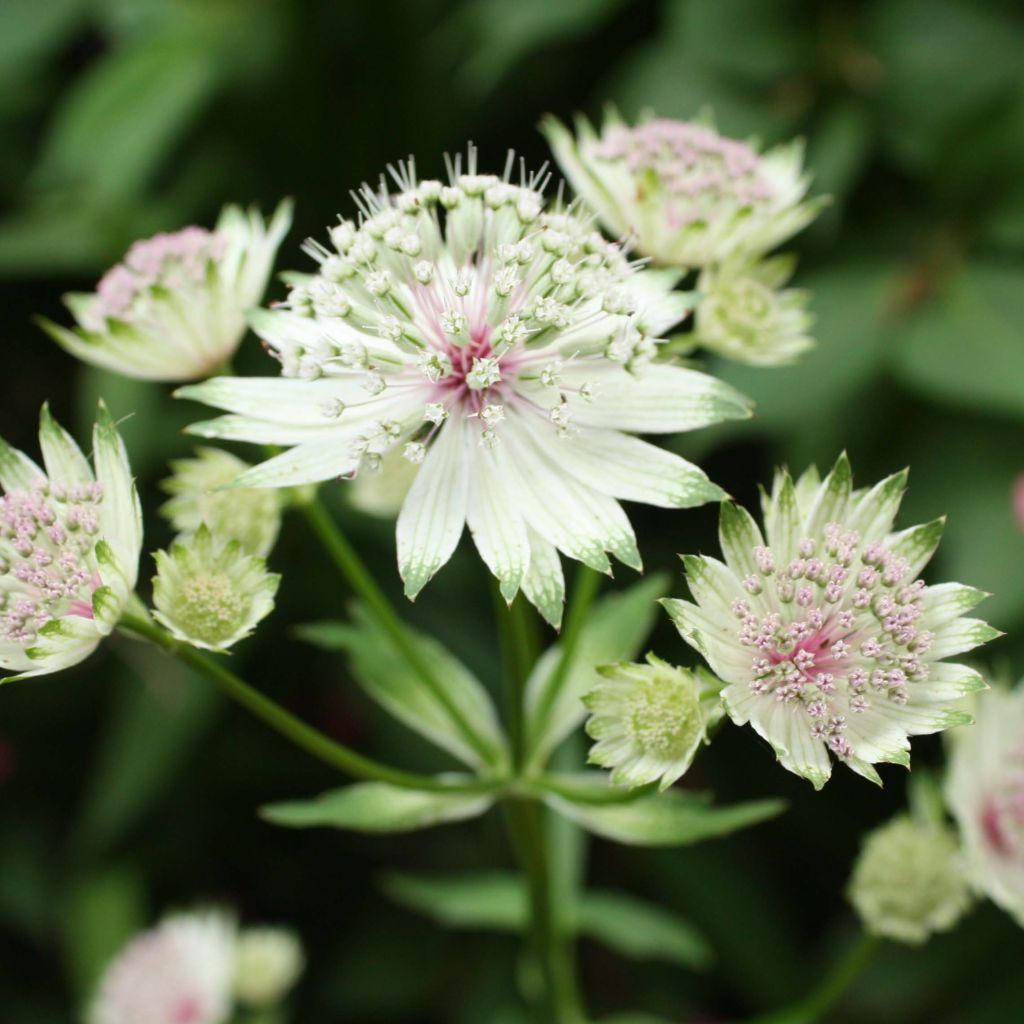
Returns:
point(673, 818)
point(615, 631)
point(377, 807)
point(490, 901)
point(387, 677)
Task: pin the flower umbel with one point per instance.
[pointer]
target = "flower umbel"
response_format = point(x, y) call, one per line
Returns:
point(649, 720)
point(178, 973)
point(985, 792)
point(507, 351)
point(70, 539)
point(209, 592)
point(681, 193)
point(268, 962)
point(828, 640)
point(174, 309)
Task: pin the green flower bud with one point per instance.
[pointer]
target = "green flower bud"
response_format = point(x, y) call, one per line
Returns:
point(268, 962)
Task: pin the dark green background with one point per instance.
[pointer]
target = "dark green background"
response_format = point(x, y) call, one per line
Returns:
point(127, 788)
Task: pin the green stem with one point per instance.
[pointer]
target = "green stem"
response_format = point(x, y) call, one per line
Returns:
point(365, 586)
point(517, 629)
point(302, 735)
point(816, 1006)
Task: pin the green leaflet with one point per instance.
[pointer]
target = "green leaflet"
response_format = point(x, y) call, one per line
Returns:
point(377, 807)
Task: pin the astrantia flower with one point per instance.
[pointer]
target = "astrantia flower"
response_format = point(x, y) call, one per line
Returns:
point(829, 641)
point(69, 547)
point(252, 516)
point(649, 720)
point(680, 192)
point(909, 881)
point(268, 962)
point(503, 349)
point(985, 792)
point(178, 973)
point(175, 308)
point(209, 592)
point(745, 313)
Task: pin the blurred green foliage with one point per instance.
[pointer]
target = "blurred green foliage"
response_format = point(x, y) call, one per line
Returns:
point(128, 788)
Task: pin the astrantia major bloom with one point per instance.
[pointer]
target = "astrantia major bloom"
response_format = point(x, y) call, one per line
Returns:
point(681, 193)
point(827, 638)
point(985, 792)
point(504, 349)
point(69, 547)
point(175, 308)
point(178, 973)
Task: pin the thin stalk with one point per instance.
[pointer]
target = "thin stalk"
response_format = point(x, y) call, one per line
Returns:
point(365, 586)
point(518, 634)
point(314, 742)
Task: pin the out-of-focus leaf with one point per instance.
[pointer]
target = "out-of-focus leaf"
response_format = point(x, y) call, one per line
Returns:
point(388, 678)
point(489, 901)
point(966, 348)
point(29, 30)
point(615, 631)
point(377, 807)
point(838, 149)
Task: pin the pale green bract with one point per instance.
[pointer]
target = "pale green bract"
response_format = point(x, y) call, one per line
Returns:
point(70, 539)
point(268, 962)
point(828, 640)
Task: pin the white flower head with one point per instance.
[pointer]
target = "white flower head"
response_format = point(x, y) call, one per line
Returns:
point(174, 309)
point(684, 195)
point(828, 640)
point(985, 792)
point(650, 720)
point(530, 287)
point(381, 490)
point(251, 516)
point(746, 314)
point(268, 962)
point(177, 973)
point(209, 592)
point(908, 882)
point(70, 538)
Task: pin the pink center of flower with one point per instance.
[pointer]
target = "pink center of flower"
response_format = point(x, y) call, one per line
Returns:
point(1018, 501)
point(1002, 821)
point(187, 1009)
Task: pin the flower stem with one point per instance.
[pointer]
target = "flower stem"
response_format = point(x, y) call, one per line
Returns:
point(352, 567)
point(816, 1006)
point(519, 649)
point(302, 735)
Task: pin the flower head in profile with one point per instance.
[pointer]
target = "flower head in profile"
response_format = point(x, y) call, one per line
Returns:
point(177, 973)
point(985, 792)
point(252, 517)
point(268, 962)
point(174, 308)
point(747, 315)
point(506, 349)
point(684, 195)
point(829, 642)
point(70, 538)
point(650, 720)
point(209, 592)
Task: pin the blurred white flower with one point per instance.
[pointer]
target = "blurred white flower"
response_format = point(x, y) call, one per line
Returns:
point(268, 962)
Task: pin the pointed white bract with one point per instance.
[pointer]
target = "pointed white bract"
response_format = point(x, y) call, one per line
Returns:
point(682, 194)
point(70, 538)
point(174, 309)
point(830, 643)
point(177, 973)
point(504, 349)
point(985, 792)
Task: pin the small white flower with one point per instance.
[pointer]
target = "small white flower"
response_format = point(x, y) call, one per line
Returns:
point(828, 640)
point(178, 973)
point(268, 962)
point(745, 313)
point(249, 515)
point(523, 497)
point(70, 540)
point(649, 720)
point(985, 792)
point(175, 308)
point(209, 592)
point(680, 192)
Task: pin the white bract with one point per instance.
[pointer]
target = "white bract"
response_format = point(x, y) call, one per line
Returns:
point(177, 973)
point(508, 351)
point(682, 194)
point(829, 641)
point(70, 539)
point(268, 962)
point(985, 792)
point(175, 308)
